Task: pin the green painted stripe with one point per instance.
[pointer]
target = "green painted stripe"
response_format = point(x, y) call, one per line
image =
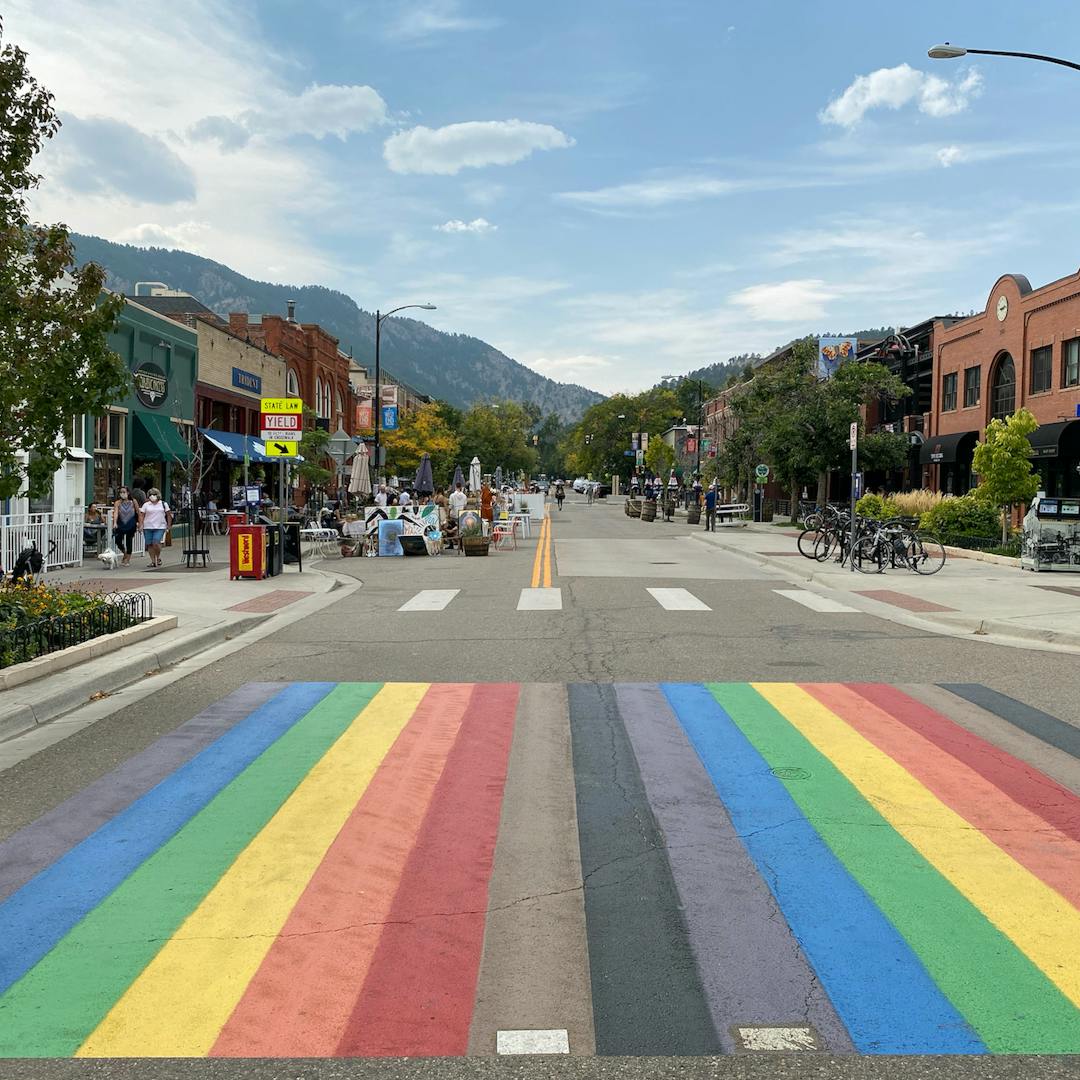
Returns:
point(52, 1009)
point(1002, 994)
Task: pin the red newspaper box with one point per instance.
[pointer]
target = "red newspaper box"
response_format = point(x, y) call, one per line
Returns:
point(247, 551)
point(234, 519)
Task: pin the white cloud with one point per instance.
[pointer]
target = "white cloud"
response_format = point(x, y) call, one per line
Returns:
point(652, 193)
point(950, 155)
point(425, 19)
point(477, 225)
point(318, 111)
point(893, 88)
point(483, 193)
point(473, 144)
point(186, 235)
point(785, 301)
point(572, 368)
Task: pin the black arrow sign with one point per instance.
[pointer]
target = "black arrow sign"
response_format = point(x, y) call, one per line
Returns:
point(281, 448)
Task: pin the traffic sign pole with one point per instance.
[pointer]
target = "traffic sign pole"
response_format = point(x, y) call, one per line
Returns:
point(853, 442)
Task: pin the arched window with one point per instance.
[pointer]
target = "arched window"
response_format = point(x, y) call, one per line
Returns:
point(1003, 388)
point(292, 384)
point(319, 410)
point(340, 405)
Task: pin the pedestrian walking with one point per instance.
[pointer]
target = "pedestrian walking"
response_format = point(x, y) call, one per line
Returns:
point(125, 523)
point(155, 520)
point(710, 509)
point(560, 493)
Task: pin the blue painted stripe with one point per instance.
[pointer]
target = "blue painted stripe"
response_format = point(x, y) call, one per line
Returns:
point(877, 984)
point(36, 917)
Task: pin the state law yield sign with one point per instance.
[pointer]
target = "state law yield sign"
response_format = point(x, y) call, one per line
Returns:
point(281, 419)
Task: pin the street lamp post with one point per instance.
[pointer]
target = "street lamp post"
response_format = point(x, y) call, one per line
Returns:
point(379, 316)
point(952, 52)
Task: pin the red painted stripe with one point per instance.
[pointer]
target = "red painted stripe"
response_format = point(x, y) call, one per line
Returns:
point(902, 600)
point(300, 999)
point(417, 1000)
point(1023, 783)
point(1048, 854)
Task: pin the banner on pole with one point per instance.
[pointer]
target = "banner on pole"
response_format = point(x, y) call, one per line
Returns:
point(832, 352)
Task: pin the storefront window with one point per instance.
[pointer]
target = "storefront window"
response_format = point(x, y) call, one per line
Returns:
point(1003, 395)
point(1042, 366)
point(108, 456)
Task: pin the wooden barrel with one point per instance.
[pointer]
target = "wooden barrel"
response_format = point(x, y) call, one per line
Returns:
point(648, 509)
point(693, 515)
point(633, 507)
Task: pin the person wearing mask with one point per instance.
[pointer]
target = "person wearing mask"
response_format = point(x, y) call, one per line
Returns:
point(155, 518)
point(125, 523)
point(710, 509)
point(458, 501)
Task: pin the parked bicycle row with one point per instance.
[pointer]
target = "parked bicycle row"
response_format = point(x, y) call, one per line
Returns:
point(873, 546)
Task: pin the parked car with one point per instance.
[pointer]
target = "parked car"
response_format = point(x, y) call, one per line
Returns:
point(579, 485)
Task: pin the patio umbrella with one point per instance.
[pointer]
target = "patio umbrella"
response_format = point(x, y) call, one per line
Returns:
point(459, 476)
point(423, 484)
point(474, 474)
point(360, 478)
point(498, 477)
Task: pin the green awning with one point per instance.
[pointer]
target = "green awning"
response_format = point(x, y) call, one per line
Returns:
point(155, 438)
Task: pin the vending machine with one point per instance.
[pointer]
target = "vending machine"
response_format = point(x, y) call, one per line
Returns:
point(1052, 535)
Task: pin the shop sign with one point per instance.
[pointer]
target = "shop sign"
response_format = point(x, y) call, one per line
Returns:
point(246, 380)
point(937, 454)
point(151, 385)
point(245, 556)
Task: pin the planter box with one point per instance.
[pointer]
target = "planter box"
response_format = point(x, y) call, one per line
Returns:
point(476, 545)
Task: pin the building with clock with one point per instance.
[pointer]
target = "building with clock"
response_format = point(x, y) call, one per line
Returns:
point(1022, 350)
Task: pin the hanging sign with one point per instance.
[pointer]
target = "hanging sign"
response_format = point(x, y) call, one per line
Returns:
point(389, 418)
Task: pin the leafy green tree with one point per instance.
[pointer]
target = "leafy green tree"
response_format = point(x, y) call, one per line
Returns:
point(499, 433)
point(314, 450)
point(547, 439)
point(422, 431)
point(1003, 463)
point(55, 362)
point(660, 458)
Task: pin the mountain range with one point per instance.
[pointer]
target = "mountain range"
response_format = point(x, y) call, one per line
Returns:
point(455, 368)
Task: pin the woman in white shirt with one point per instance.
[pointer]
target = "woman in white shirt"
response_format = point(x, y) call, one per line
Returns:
point(155, 518)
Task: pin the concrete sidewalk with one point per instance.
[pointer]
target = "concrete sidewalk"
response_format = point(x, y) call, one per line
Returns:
point(967, 596)
point(211, 611)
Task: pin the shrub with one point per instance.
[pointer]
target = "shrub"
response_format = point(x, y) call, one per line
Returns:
point(962, 515)
point(874, 506)
point(916, 503)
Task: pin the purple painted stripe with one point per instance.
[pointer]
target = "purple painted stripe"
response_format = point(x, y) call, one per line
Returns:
point(752, 968)
point(38, 845)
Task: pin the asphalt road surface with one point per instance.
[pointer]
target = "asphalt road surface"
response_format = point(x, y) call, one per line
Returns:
point(610, 797)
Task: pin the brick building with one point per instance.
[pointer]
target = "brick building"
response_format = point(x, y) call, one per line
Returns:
point(316, 370)
point(1023, 350)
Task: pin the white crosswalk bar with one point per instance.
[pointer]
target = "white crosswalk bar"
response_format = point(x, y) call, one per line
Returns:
point(815, 602)
point(540, 600)
point(430, 600)
point(678, 600)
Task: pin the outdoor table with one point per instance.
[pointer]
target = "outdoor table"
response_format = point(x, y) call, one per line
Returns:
point(521, 517)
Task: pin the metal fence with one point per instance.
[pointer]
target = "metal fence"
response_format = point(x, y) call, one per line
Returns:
point(58, 536)
point(114, 611)
point(982, 543)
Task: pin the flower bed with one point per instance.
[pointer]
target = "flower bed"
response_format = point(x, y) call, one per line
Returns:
point(38, 619)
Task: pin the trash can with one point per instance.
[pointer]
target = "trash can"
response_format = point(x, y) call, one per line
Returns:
point(247, 551)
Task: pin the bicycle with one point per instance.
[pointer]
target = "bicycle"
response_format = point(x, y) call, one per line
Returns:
point(897, 541)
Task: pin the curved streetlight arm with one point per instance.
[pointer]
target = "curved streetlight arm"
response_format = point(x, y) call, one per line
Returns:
point(949, 52)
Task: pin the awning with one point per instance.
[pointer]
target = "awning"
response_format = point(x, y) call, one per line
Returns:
point(155, 438)
point(77, 453)
point(947, 449)
point(234, 446)
point(1046, 438)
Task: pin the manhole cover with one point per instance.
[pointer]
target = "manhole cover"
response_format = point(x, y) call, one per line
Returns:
point(791, 772)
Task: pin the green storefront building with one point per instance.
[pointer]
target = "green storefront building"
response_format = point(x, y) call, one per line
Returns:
point(145, 435)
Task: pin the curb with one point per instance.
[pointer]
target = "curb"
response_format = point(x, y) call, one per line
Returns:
point(86, 650)
point(22, 716)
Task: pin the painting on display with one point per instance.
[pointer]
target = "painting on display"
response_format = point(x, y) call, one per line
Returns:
point(416, 520)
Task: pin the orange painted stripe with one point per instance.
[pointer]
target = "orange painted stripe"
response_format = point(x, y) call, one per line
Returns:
point(1047, 853)
point(300, 999)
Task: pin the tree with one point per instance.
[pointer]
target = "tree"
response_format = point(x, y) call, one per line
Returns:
point(660, 458)
point(55, 363)
point(499, 434)
point(1003, 463)
point(547, 438)
point(422, 431)
point(313, 449)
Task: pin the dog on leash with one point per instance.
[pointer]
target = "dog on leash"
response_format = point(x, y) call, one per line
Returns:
point(109, 558)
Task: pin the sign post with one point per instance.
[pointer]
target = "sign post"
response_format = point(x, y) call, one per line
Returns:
point(853, 442)
point(280, 429)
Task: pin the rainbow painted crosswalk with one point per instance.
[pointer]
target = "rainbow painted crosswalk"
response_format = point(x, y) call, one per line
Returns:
point(406, 869)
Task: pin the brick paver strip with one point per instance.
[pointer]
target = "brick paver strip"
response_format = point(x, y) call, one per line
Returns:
point(1059, 588)
point(781, 554)
point(902, 600)
point(271, 601)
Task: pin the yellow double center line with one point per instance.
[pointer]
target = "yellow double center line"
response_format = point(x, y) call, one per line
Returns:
point(542, 560)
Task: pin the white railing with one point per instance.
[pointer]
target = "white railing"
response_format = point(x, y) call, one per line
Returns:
point(58, 536)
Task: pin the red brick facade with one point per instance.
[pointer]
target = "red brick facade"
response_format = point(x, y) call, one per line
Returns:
point(316, 369)
point(1023, 350)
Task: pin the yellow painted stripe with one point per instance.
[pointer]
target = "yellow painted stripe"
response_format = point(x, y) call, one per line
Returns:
point(538, 559)
point(1036, 917)
point(547, 556)
point(181, 1000)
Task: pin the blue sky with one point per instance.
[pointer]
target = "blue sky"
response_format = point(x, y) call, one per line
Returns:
point(608, 190)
